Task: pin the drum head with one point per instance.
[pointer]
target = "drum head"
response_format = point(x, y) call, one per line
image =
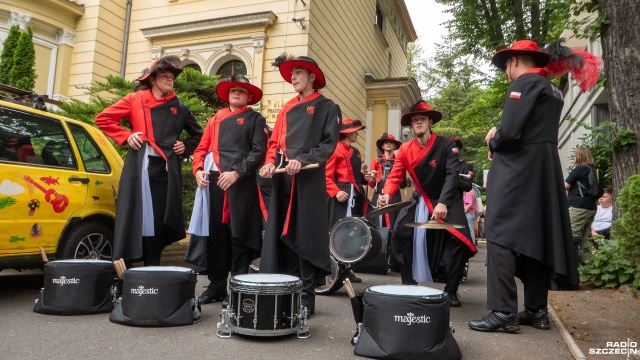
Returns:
point(161, 268)
point(351, 239)
point(80, 261)
point(407, 290)
point(266, 278)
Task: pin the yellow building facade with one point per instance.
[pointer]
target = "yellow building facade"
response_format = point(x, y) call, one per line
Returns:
point(359, 44)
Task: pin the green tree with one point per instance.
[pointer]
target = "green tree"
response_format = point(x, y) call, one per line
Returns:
point(484, 26)
point(23, 73)
point(8, 48)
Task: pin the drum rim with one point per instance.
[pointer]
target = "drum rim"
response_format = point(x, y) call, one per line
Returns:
point(178, 269)
point(241, 278)
point(368, 245)
point(79, 261)
point(438, 295)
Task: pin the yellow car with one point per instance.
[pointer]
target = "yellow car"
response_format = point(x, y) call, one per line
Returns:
point(58, 185)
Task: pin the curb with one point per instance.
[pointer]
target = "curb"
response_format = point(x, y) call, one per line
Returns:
point(566, 335)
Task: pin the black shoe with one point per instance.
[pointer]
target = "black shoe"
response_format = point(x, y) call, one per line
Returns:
point(309, 302)
point(353, 278)
point(454, 301)
point(211, 295)
point(496, 320)
point(538, 319)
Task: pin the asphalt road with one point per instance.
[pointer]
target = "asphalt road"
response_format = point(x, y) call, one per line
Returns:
point(28, 335)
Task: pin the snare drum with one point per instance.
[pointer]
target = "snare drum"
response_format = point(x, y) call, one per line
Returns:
point(406, 321)
point(157, 296)
point(76, 287)
point(264, 305)
point(353, 240)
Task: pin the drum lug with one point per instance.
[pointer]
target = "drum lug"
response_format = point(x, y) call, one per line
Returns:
point(451, 328)
point(356, 336)
point(223, 328)
point(303, 328)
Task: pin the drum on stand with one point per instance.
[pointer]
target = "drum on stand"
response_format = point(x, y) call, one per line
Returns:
point(264, 305)
point(76, 287)
point(381, 262)
point(157, 296)
point(406, 321)
point(353, 240)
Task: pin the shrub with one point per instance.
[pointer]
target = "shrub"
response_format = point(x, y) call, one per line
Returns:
point(626, 229)
point(609, 269)
point(8, 49)
point(23, 73)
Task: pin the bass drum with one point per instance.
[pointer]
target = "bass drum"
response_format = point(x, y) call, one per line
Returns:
point(381, 262)
point(333, 281)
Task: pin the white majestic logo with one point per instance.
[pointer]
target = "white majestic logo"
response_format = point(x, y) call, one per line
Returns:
point(410, 318)
point(142, 291)
point(63, 280)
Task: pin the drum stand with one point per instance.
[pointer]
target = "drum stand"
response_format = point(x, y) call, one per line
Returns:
point(225, 328)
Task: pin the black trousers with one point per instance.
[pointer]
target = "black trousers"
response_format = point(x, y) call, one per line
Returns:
point(503, 265)
point(225, 253)
point(152, 246)
point(446, 253)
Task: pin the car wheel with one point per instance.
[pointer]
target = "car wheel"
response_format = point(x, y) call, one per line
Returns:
point(91, 240)
point(333, 281)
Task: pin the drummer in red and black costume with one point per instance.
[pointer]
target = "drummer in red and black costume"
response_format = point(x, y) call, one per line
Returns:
point(380, 169)
point(149, 212)
point(345, 178)
point(432, 163)
point(306, 131)
point(235, 139)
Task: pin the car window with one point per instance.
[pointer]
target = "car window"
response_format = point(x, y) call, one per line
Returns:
point(92, 157)
point(34, 139)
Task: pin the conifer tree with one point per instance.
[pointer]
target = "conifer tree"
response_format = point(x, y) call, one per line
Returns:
point(8, 48)
point(23, 73)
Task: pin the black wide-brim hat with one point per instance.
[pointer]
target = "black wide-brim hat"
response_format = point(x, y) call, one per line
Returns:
point(223, 91)
point(421, 108)
point(169, 63)
point(350, 125)
point(387, 137)
point(520, 48)
point(307, 63)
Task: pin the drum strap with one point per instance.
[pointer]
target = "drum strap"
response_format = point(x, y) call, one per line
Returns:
point(147, 205)
point(421, 271)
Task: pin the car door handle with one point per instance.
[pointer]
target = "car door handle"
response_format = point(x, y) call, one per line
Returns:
point(82, 180)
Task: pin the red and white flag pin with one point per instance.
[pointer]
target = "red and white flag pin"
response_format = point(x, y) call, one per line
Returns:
point(515, 95)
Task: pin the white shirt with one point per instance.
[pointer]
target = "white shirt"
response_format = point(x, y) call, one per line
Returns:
point(603, 218)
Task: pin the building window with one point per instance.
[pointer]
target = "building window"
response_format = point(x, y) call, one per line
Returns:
point(379, 17)
point(194, 66)
point(233, 67)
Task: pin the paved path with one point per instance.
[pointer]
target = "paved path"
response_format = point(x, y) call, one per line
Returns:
point(27, 335)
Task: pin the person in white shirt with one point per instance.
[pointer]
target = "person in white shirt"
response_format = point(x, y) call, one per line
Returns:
point(604, 215)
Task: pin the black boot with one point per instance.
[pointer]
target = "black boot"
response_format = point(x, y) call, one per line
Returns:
point(454, 301)
point(353, 278)
point(212, 295)
point(309, 301)
point(496, 320)
point(538, 319)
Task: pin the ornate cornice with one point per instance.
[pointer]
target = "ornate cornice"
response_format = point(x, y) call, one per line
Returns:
point(20, 19)
point(261, 19)
point(394, 104)
point(66, 37)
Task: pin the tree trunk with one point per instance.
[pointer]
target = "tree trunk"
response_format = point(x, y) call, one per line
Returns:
point(535, 21)
point(621, 57)
point(518, 15)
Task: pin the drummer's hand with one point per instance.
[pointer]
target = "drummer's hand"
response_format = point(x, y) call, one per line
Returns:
point(383, 200)
point(490, 156)
point(178, 147)
point(227, 179)
point(202, 178)
point(293, 167)
point(490, 134)
point(374, 173)
point(440, 211)
point(267, 171)
point(342, 196)
point(367, 176)
point(134, 140)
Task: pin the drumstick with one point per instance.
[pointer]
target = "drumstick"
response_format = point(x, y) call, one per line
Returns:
point(349, 287)
point(44, 256)
point(118, 271)
point(465, 176)
point(310, 166)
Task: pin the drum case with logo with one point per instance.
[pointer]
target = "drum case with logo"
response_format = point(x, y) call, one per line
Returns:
point(157, 298)
point(396, 327)
point(76, 287)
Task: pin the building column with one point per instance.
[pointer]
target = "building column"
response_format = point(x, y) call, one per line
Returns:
point(369, 134)
point(394, 111)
